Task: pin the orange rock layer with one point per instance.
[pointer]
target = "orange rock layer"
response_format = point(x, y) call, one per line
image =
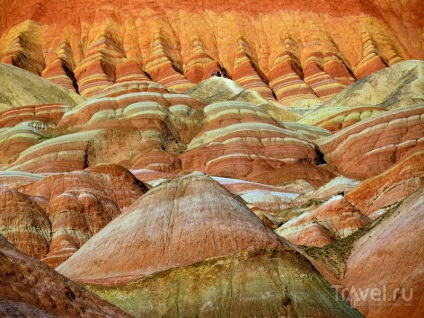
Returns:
point(291, 50)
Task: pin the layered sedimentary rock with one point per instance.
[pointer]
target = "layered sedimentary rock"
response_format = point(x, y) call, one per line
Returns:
point(396, 241)
point(30, 288)
point(52, 217)
point(338, 185)
point(246, 71)
point(153, 125)
point(311, 173)
point(374, 195)
point(39, 117)
point(334, 219)
point(24, 223)
point(159, 233)
point(15, 179)
point(323, 84)
point(164, 240)
point(290, 50)
point(398, 86)
point(285, 78)
point(337, 118)
point(244, 133)
point(371, 146)
point(79, 204)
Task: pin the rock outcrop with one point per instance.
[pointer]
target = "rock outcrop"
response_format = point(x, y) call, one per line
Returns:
point(338, 118)
point(244, 133)
point(393, 241)
point(21, 88)
point(371, 146)
point(29, 288)
point(50, 218)
point(398, 86)
point(219, 159)
point(194, 234)
point(295, 51)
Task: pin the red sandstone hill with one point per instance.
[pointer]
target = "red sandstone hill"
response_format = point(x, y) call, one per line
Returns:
point(194, 234)
point(29, 288)
point(127, 96)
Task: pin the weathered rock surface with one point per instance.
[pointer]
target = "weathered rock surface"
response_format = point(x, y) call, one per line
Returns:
point(240, 139)
point(371, 146)
point(79, 204)
point(338, 185)
point(293, 50)
point(24, 223)
point(29, 288)
point(310, 173)
point(52, 217)
point(161, 228)
point(15, 179)
point(334, 219)
point(160, 232)
point(21, 88)
point(396, 241)
point(338, 118)
point(260, 283)
point(375, 194)
point(398, 86)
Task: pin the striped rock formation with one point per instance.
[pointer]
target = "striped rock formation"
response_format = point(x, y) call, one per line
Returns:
point(371, 59)
point(59, 69)
point(152, 123)
point(82, 49)
point(350, 264)
point(24, 223)
point(52, 217)
point(398, 86)
point(79, 204)
point(239, 140)
point(14, 141)
point(162, 67)
point(159, 233)
point(38, 116)
point(373, 145)
point(315, 175)
point(334, 219)
point(263, 200)
point(323, 84)
point(286, 77)
point(246, 71)
point(15, 179)
point(396, 241)
point(338, 185)
point(29, 288)
point(201, 64)
point(337, 118)
point(375, 195)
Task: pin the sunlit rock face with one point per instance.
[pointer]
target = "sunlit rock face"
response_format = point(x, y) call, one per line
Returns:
point(182, 159)
point(160, 231)
point(395, 87)
point(30, 288)
point(295, 52)
point(241, 140)
point(370, 147)
point(52, 217)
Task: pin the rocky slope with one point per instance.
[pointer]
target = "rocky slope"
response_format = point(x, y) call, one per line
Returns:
point(169, 192)
point(30, 288)
point(297, 52)
point(194, 235)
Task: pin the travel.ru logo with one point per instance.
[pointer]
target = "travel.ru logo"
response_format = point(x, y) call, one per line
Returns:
point(375, 296)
